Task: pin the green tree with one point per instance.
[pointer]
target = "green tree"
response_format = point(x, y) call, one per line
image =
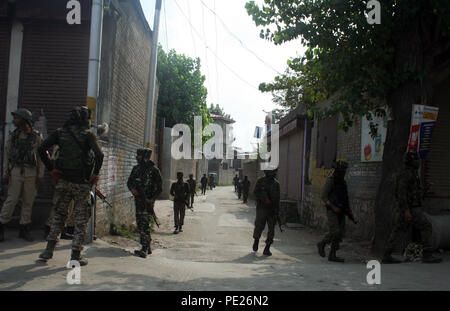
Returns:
point(396, 63)
point(218, 111)
point(182, 94)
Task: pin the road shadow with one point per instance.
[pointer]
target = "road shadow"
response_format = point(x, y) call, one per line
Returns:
point(26, 275)
point(28, 252)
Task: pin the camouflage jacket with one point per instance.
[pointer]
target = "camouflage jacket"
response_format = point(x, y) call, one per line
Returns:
point(408, 191)
point(267, 188)
point(181, 190)
point(147, 177)
point(79, 154)
point(204, 181)
point(21, 151)
point(336, 192)
point(245, 185)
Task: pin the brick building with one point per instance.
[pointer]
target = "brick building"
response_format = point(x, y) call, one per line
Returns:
point(44, 67)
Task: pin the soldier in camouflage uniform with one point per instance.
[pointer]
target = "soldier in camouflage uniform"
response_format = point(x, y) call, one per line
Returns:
point(245, 188)
point(409, 201)
point(192, 187)
point(24, 170)
point(180, 192)
point(235, 181)
point(335, 197)
point(74, 173)
point(267, 193)
point(145, 177)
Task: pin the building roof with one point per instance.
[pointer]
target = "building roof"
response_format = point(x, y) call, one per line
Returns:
point(218, 117)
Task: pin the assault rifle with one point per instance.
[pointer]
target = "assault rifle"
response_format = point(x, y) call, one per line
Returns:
point(347, 212)
point(102, 197)
point(147, 205)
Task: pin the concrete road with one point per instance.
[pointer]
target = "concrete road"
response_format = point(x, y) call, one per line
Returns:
point(213, 253)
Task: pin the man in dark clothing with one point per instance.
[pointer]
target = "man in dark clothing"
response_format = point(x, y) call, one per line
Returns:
point(204, 183)
point(235, 181)
point(192, 187)
point(180, 192)
point(145, 183)
point(245, 188)
point(267, 193)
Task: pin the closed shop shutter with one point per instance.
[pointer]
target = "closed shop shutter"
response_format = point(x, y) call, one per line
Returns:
point(5, 37)
point(54, 73)
point(437, 164)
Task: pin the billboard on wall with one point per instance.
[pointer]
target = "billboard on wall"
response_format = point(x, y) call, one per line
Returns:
point(372, 146)
point(423, 120)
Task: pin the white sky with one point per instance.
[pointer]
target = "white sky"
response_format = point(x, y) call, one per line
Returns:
point(242, 100)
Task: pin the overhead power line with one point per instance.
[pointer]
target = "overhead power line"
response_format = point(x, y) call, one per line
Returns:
point(231, 33)
point(215, 55)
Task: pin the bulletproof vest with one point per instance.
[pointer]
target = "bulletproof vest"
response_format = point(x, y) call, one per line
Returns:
point(22, 149)
point(146, 178)
point(179, 188)
point(74, 152)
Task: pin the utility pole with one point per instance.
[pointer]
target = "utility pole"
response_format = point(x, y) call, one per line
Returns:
point(152, 78)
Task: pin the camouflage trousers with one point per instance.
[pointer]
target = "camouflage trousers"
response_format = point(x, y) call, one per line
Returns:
point(65, 192)
point(70, 222)
point(336, 228)
point(179, 210)
point(143, 223)
point(401, 227)
point(263, 216)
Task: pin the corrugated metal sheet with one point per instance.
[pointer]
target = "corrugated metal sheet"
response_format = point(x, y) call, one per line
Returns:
point(54, 69)
point(438, 160)
point(54, 73)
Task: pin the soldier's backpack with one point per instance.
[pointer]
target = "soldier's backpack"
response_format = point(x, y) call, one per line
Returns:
point(74, 152)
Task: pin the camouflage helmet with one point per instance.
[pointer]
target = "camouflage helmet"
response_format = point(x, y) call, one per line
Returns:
point(146, 153)
point(340, 165)
point(25, 114)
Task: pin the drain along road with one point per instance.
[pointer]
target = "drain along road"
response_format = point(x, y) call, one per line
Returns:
point(213, 253)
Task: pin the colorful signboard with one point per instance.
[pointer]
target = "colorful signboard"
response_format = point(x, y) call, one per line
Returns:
point(372, 147)
point(423, 121)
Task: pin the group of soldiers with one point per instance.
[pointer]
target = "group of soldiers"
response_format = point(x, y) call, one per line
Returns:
point(74, 172)
point(408, 194)
point(242, 187)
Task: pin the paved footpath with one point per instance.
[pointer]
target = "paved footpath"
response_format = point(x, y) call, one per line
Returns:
point(213, 253)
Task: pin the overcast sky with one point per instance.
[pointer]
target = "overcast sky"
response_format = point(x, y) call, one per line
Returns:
point(236, 92)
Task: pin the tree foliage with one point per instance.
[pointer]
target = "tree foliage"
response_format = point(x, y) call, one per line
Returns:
point(218, 111)
point(348, 56)
point(182, 94)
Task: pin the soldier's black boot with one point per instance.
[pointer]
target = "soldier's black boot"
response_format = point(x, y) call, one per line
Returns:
point(46, 231)
point(255, 245)
point(267, 250)
point(176, 230)
point(142, 252)
point(48, 252)
point(180, 229)
point(76, 255)
point(2, 232)
point(67, 233)
point(149, 250)
point(321, 248)
point(429, 258)
point(332, 256)
point(387, 257)
point(24, 233)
